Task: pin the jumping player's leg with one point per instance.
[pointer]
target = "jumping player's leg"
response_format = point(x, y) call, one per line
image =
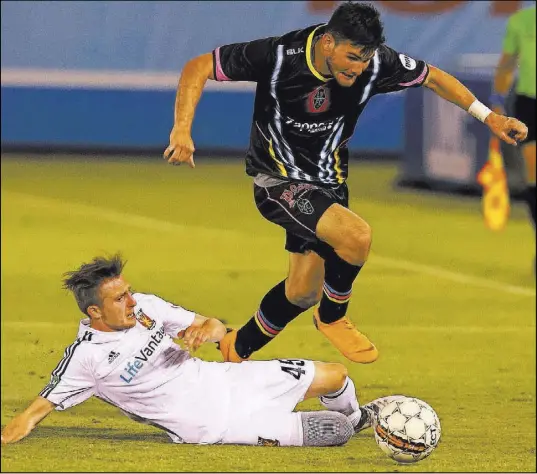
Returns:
point(349, 238)
point(283, 303)
point(315, 219)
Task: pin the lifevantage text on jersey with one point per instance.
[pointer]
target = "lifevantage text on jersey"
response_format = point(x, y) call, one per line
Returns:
point(133, 368)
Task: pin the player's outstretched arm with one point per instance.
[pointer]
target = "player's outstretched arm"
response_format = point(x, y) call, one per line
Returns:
point(509, 129)
point(203, 330)
point(193, 79)
point(20, 426)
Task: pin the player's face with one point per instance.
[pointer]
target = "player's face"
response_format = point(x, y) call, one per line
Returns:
point(116, 311)
point(346, 62)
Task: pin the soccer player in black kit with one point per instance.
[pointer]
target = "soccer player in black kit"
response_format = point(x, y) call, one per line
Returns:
point(312, 85)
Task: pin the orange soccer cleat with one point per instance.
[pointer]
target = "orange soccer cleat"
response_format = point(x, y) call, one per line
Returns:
point(347, 339)
point(227, 347)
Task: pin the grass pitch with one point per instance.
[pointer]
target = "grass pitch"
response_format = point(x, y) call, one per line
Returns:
point(450, 305)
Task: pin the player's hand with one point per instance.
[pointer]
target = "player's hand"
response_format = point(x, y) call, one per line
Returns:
point(508, 129)
point(181, 148)
point(17, 429)
point(195, 336)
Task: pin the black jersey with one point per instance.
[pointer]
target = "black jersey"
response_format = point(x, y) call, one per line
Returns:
point(303, 120)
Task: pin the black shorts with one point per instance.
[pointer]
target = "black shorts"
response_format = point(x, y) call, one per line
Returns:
point(524, 110)
point(297, 207)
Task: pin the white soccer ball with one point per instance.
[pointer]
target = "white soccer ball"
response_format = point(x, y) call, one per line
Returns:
point(407, 429)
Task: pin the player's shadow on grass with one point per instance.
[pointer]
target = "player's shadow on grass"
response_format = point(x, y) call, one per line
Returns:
point(111, 434)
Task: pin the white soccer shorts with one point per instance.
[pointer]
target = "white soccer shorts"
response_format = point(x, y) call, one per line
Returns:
point(263, 397)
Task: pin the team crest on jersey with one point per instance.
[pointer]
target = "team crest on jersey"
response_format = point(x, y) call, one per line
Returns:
point(305, 206)
point(318, 100)
point(144, 320)
point(267, 442)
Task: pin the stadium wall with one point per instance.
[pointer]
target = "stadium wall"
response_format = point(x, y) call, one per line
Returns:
point(103, 74)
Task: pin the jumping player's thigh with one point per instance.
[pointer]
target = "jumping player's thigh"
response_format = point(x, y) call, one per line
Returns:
point(297, 207)
point(306, 276)
point(339, 223)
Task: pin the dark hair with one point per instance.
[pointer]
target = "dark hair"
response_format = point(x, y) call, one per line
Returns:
point(86, 281)
point(358, 23)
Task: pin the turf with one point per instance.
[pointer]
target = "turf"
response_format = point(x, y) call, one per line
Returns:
point(450, 305)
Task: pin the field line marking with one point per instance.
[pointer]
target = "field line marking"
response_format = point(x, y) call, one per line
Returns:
point(166, 226)
point(452, 276)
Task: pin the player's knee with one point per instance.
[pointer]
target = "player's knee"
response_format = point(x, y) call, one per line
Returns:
point(303, 297)
point(330, 376)
point(325, 428)
point(359, 243)
point(337, 375)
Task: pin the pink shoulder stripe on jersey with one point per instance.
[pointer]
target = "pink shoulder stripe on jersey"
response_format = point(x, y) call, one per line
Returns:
point(220, 76)
point(417, 80)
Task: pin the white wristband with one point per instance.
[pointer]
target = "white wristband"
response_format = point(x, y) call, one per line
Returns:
point(479, 111)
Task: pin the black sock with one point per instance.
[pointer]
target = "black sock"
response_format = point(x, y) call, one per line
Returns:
point(274, 312)
point(530, 199)
point(338, 278)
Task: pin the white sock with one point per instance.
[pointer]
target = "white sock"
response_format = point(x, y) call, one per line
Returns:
point(355, 417)
point(344, 400)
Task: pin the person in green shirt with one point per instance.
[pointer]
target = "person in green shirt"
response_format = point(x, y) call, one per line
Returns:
point(519, 53)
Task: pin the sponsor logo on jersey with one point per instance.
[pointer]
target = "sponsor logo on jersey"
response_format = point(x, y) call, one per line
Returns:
point(311, 127)
point(144, 320)
point(267, 442)
point(112, 356)
point(408, 63)
point(292, 51)
point(318, 100)
point(133, 366)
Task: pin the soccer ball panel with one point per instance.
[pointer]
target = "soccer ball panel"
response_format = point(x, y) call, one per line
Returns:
point(396, 422)
point(415, 429)
point(410, 408)
point(407, 430)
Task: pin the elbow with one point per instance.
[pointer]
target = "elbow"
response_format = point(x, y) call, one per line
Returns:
point(201, 66)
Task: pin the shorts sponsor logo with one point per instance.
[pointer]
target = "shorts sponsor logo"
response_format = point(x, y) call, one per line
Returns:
point(289, 194)
point(54, 380)
point(304, 206)
point(267, 442)
point(144, 320)
point(408, 63)
point(318, 100)
point(133, 366)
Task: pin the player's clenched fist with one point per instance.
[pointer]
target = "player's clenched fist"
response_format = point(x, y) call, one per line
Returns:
point(509, 129)
point(181, 148)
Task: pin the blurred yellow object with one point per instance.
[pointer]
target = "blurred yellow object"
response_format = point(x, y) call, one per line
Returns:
point(492, 177)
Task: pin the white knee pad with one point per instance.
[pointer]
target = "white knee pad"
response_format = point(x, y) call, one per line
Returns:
point(325, 428)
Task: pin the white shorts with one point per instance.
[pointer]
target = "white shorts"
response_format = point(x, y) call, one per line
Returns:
point(263, 397)
point(246, 403)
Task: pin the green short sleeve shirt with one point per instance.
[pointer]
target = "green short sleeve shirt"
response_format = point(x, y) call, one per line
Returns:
point(520, 40)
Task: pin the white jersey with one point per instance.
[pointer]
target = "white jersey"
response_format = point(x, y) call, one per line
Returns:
point(143, 372)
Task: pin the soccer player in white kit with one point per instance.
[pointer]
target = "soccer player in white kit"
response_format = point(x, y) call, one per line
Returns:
point(124, 354)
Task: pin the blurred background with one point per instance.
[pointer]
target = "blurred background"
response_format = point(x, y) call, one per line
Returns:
point(102, 75)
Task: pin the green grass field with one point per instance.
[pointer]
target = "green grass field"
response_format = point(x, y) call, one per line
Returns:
point(450, 305)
